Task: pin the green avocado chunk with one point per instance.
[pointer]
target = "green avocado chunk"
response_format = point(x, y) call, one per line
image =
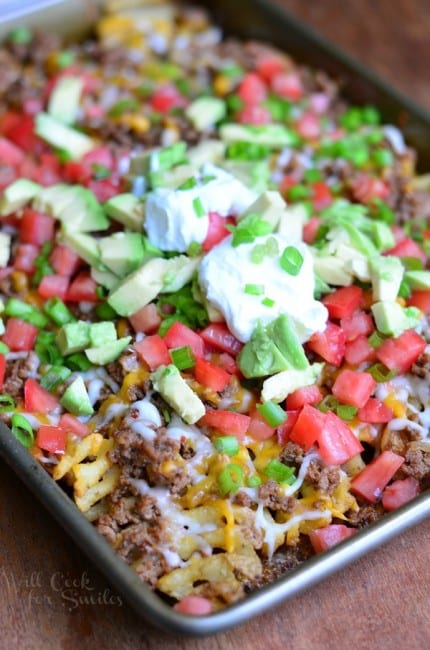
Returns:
point(271, 349)
point(107, 352)
point(76, 400)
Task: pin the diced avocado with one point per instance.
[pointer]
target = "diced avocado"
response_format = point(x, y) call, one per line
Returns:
point(108, 352)
point(84, 245)
point(206, 151)
point(127, 209)
point(17, 195)
point(168, 157)
point(52, 200)
point(102, 333)
point(386, 275)
point(73, 337)
point(332, 270)
point(253, 174)
point(418, 279)
point(292, 220)
point(75, 398)
point(84, 213)
point(382, 235)
point(179, 271)
point(58, 135)
point(272, 349)
point(392, 319)
point(172, 177)
point(122, 252)
point(270, 206)
point(5, 241)
point(277, 387)
point(167, 381)
point(139, 288)
point(106, 278)
point(205, 112)
point(275, 136)
point(65, 98)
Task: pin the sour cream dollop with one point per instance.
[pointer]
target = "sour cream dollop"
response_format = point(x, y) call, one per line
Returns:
point(226, 272)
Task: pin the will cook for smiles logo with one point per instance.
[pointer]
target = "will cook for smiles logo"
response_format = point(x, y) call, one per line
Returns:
point(40, 589)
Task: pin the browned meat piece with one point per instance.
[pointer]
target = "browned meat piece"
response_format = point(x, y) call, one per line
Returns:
point(421, 367)
point(285, 558)
point(417, 460)
point(17, 372)
point(367, 514)
point(273, 498)
point(292, 454)
point(325, 479)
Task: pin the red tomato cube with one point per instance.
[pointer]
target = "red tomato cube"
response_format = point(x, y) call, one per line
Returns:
point(324, 538)
point(336, 442)
point(146, 320)
point(210, 375)
point(353, 388)
point(51, 439)
point(371, 481)
point(330, 344)
point(179, 335)
point(153, 350)
point(307, 427)
point(402, 352)
point(228, 422)
point(37, 399)
point(343, 302)
point(19, 335)
point(375, 411)
point(302, 396)
point(400, 492)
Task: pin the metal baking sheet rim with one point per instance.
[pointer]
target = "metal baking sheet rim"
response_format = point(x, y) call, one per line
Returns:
point(145, 602)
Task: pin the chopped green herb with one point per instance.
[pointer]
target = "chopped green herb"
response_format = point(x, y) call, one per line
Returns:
point(100, 172)
point(20, 36)
point(227, 445)
point(189, 184)
point(268, 302)
point(248, 229)
point(382, 158)
point(230, 479)
point(65, 59)
point(183, 358)
point(381, 373)
point(22, 430)
point(291, 260)
point(254, 289)
point(127, 105)
point(273, 413)
point(55, 376)
point(7, 403)
point(198, 207)
point(253, 481)
point(279, 472)
point(58, 311)
point(346, 412)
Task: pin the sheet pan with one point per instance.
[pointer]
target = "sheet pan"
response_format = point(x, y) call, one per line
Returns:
point(247, 19)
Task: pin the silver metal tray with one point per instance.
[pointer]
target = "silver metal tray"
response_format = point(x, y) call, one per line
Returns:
point(249, 19)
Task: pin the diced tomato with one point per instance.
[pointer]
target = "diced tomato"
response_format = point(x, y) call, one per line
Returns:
point(408, 248)
point(375, 411)
point(37, 399)
point(371, 481)
point(23, 135)
point(210, 375)
point(336, 442)
point(9, 120)
point(330, 344)
point(358, 323)
point(359, 350)
point(8, 175)
point(284, 429)
point(228, 422)
point(146, 320)
point(343, 302)
point(24, 257)
point(228, 363)
point(420, 298)
point(324, 538)
point(19, 335)
point(302, 396)
point(307, 427)
point(268, 65)
point(219, 336)
point(64, 261)
point(10, 154)
point(72, 425)
point(36, 228)
point(400, 492)
point(2, 369)
point(48, 169)
point(321, 196)
point(366, 188)
point(76, 172)
point(153, 350)
point(254, 115)
point(51, 439)
point(310, 229)
point(258, 427)
point(353, 387)
point(217, 230)
point(194, 606)
point(179, 335)
point(53, 285)
point(287, 85)
point(165, 98)
point(99, 156)
point(104, 189)
point(252, 89)
point(309, 127)
point(401, 353)
point(82, 289)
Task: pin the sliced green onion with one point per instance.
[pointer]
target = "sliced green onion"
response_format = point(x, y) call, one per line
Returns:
point(376, 339)
point(232, 70)
point(246, 151)
point(383, 212)
point(254, 289)
point(127, 105)
point(55, 376)
point(78, 361)
point(271, 247)
point(26, 312)
point(273, 413)
point(198, 207)
point(298, 192)
point(352, 118)
point(234, 103)
point(371, 115)
point(248, 229)
point(47, 350)
point(346, 412)
point(258, 253)
point(189, 184)
point(105, 311)
point(22, 430)
point(268, 302)
point(100, 172)
point(20, 35)
point(253, 481)
point(279, 472)
point(291, 260)
point(4, 349)
point(7, 403)
point(227, 445)
point(412, 263)
point(64, 59)
point(183, 358)
point(42, 264)
point(207, 178)
point(382, 158)
point(230, 479)
point(58, 311)
point(329, 403)
point(194, 249)
point(404, 289)
point(381, 373)
point(312, 175)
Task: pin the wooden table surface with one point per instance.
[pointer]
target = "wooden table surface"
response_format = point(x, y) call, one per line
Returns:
point(383, 601)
